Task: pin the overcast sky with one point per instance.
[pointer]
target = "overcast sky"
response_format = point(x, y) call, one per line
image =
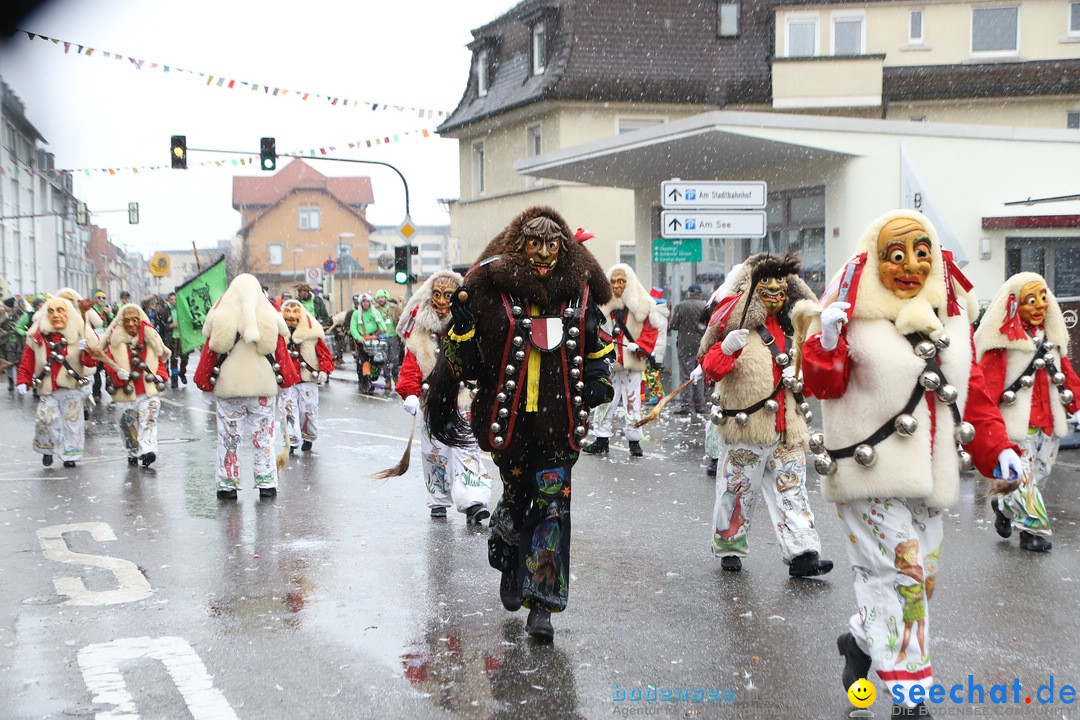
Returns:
point(103, 113)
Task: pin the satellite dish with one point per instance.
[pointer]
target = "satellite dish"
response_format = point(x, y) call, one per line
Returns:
point(386, 261)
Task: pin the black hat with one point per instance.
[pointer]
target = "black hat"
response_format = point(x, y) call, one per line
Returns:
point(10, 302)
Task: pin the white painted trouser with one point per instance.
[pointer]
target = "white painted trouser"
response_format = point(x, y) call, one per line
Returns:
point(627, 386)
point(777, 472)
point(454, 474)
point(235, 416)
point(301, 412)
point(138, 425)
point(60, 426)
point(895, 548)
point(1025, 504)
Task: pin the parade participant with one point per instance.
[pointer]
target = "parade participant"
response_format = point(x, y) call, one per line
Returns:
point(525, 336)
point(453, 475)
point(367, 325)
point(391, 312)
point(136, 377)
point(891, 359)
point(634, 339)
point(314, 304)
point(686, 321)
point(102, 307)
point(55, 362)
point(11, 342)
point(761, 416)
point(313, 363)
point(244, 364)
point(654, 364)
point(178, 360)
point(1022, 346)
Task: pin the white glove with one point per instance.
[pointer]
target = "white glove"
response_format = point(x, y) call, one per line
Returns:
point(631, 347)
point(123, 375)
point(82, 344)
point(209, 399)
point(22, 389)
point(697, 374)
point(1010, 465)
point(832, 318)
point(411, 404)
point(735, 341)
point(322, 378)
point(788, 372)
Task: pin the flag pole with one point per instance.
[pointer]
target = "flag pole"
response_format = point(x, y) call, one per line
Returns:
point(198, 266)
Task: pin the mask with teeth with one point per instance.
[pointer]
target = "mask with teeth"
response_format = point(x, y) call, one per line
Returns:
point(543, 239)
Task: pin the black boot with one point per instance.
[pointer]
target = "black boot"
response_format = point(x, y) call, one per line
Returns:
point(46, 460)
point(731, 563)
point(11, 384)
point(69, 463)
point(808, 565)
point(538, 625)
point(597, 446)
point(1001, 521)
point(711, 472)
point(510, 590)
point(919, 711)
point(635, 449)
point(226, 493)
point(438, 512)
point(476, 515)
point(133, 461)
point(856, 662)
point(148, 459)
point(1028, 541)
point(267, 492)
point(306, 446)
point(175, 382)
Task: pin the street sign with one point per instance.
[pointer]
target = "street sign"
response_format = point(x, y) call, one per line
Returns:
point(406, 230)
point(712, 223)
point(676, 250)
point(159, 265)
point(708, 194)
point(329, 266)
point(313, 276)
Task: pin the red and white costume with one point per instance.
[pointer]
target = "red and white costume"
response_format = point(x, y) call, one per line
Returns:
point(311, 357)
point(144, 370)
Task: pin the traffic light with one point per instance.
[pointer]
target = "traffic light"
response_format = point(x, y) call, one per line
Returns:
point(133, 213)
point(81, 214)
point(401, 265)
point(268, 153)
point(179, 152)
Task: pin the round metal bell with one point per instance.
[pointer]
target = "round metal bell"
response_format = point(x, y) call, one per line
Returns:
point(215, 371)
point(1008, 397)
point(1058, 378)
point(36, 382)
point(294, 354)
point(789, 381)
point(499, 441)
point(503, 412)
point(964, 433)
point(425, 387)
point(966, 463)
point(906, 425)
point(804, 407)
point(510, 385)
point(575, 373)
point(277, 367)
point(573, 332)
point(583, 415)
point(771, 406)
point(741, 419)
point(930, 380)
point(1038, 363)
point(518, 341)
point(1049, 346)
point(1026, 381)
point(576, 400)
point(715, 397)
point(824, 464)
point(576, 360)
point(136, 375)
point(496, 427)
point(568, 312)
point(110, 388)
point(579, 386)
point(129, 388)
point(1050, 358)
point(808, 416)
point(519, 355)
point(718, 418)
point(71, 373)
point(865, 455)
point(510, 369)
point(500, 398)
point(925, 349)
point(942, 342)
point(947, 394)
point(526, 322)
point(160, 386)
point(817, 443)
point(213, 381)
point(783, 359)
point(798, 387)
point(515, 310)
point(56, 357)
point(579, 430)
point(571, 344)
point(280, 379)
point(1066, 397)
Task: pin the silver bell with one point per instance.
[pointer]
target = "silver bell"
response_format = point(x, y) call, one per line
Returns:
point(36, 382)
point(576, 360)
point(804, 407)
point(213, 381)
point(510, 385)
point(160, 386)
point(136, 375)
point(215, 371)
point(294, 354)
point(789, 381)
point(71, 373)
point(575, 373)
point(496, 427)
point(499, 441)
point(526, 322)
point(906, 425)
point(715, 397)
point(783, 359)
point(583, 415)
point(277, 367)
point(576, 400)
point(1026, 381)
point(808, 416)
point(510, 369)
point(573, 332)
point(824, 464)
point(571, 344)
point(798, 387)
point(503, 412)
point(579, 386)
point(817, 443)
point(947, 394)
point(568, 312)
point(942, 342)
point(718, 418)
point(280, 379)
point(425, 387)
point(500, 398)
point(1049, 346)
point(1008, 397)
point(1058, 378)
point(741, 419)
point(865, 455)
point(1066, 397)
point(1038, 363)
point(966, 463)
point(930, 380)
point(518, 340)
point(519, 355)
point(579, 430)
point(964, 433)
point(129, 388)
point(925, 349)
point(771, 406)
point(515, 310)
point(1050, 358)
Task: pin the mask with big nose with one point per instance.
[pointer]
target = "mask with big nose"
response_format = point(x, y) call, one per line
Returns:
point(773, 293)
point(57, 313)
point(131, 322)
point(291, 313)
point(543, 239)
point(904, 257)
point(441, 295)
point(1033, 303)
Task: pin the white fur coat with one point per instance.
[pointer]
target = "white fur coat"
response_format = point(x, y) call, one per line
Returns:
point(245, 325)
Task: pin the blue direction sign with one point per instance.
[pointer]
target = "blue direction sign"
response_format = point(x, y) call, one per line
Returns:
point(712, 223)
point(713, 195)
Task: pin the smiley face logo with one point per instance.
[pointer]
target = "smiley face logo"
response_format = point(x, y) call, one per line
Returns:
point(862, 693)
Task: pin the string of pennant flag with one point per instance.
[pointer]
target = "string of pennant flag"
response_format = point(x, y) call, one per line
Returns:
point(229, 161)
point(225, 82)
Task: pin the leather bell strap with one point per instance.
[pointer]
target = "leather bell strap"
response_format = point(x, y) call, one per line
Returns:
point(1040, 351)
point(770, 342)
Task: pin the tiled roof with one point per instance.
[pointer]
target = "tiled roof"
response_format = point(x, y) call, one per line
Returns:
point(265, 190)
point(999, 79)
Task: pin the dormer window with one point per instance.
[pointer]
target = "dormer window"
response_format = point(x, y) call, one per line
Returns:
point(539, 47)
point(482, 71)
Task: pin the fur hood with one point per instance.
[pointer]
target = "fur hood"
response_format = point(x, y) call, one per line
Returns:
point(419, 314)
point(511, 272)
point(244, 313)
point(635, 297)
point(989, 335)
point(308, 328)
point(116, 335)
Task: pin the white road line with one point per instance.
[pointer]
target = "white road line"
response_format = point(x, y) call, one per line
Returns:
point(378, 435)
point(133, 585)
point(208, 411)
point(100, 665)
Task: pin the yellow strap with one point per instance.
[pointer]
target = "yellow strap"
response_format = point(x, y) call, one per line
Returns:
point(532, 392)
point(461, 338)
point(601, 353)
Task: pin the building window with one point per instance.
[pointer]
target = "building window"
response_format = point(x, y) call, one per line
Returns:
point(995, 30)
point(482, 73)
point(915, 27)
point(727, 18)
point(1055, 258)
point(539, 48)
point(533, 141)
point(309, 217)
point(848, 36)
point(627, 254)
point(630, 124)
point(1073, 121)
point(1074, 18)
point(479, 179)
point(801, 36)
point(277, 254)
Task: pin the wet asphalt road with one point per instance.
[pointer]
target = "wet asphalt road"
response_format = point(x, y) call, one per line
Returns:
point(341, 598)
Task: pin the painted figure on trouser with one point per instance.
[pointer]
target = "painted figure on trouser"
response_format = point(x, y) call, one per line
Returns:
point(244, 364)
point(55, 362)
point(524, 338)
point(1022, 345)
point(137, 370)
point(455, 476)
point(313, 363)
point(634, 337)
point(760, 415)
point(891, 357)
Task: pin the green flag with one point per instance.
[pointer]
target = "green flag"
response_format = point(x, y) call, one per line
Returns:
point(194, 299)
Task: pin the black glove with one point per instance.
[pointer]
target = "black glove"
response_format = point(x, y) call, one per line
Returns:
point(598, 389)
point(463, 319)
